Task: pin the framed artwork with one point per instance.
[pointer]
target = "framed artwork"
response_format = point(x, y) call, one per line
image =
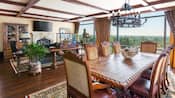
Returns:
point(64, 34)
point(64, 30)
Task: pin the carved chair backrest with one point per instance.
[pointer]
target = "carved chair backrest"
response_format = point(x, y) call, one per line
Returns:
point(105, 47)
point(77, 74)
point(91, 51)
point(148, 46)
point(116, 47)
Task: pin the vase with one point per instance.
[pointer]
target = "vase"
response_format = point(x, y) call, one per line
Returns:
point(35, 67)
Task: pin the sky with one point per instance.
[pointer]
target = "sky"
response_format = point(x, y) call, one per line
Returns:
point(153, 27)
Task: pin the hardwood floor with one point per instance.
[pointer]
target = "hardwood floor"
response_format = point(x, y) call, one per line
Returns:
point(13, 86)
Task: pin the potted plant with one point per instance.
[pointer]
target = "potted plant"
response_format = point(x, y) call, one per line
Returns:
point(35, 52)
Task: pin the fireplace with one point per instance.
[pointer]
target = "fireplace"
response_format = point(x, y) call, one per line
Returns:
point(44, 41)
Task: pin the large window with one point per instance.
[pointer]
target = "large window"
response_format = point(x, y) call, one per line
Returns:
point(152, 30)
point(89, 26)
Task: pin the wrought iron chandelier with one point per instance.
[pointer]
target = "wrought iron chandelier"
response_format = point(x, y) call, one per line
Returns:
point(130, 19)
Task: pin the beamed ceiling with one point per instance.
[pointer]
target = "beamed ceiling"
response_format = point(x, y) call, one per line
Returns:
point(76, 10)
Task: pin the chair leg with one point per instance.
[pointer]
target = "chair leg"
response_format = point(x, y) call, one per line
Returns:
point(157, 95)
point(163, 88)
point(166, 85)
point(68, 96)
point(166, 77)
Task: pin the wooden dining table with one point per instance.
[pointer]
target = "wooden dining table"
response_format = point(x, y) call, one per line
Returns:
point(120, 72)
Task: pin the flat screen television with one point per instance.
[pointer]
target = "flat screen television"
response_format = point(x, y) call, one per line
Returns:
point(42, 26)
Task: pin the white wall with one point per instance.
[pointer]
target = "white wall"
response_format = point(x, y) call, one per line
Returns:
point(36, 35)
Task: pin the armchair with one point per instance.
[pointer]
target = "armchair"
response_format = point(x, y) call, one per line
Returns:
point(19, 61)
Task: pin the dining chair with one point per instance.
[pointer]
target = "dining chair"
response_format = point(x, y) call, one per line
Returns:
point(116, 47)
point(91, 51)
point(150, 88)
point(79, 83)
point(164, 74)
point(105, 48)
point(148, 46)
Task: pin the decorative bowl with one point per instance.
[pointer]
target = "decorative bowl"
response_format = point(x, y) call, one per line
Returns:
point(128, 53)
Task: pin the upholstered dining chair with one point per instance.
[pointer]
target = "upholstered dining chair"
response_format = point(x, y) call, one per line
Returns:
point(150, 88)
point(148, 46)
point(105, 48)
point(116, 47)
point(164, 72)
point(164, 75)
point(91, 51)
point(79, 83)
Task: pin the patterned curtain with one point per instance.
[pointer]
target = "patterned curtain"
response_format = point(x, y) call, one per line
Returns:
point(77, 24)
point(172, 53)
point(170, 15)
point(102, 28)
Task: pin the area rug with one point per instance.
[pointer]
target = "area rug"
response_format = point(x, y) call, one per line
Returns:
point(56, 91)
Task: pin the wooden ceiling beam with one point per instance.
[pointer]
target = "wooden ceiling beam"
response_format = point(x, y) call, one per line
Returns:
point(58, 11)
point(101, 13)
point(79, 16)
point(40, 8)
point(28, 17)
point(152, 8)
point(86, 4)
point(47, 16)
point(5, 10)
point(28, 6)
point(146, 11)
point(136, 6)
point(13, 3)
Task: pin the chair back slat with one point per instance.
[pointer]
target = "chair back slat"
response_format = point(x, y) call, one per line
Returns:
point(77, 73)
point(149, 47)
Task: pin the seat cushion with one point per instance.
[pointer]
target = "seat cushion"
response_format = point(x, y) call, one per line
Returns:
point(141, 87)
point(147, 74)
point(104, 94)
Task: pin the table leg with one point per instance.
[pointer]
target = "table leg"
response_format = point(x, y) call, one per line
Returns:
point(54, 60)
